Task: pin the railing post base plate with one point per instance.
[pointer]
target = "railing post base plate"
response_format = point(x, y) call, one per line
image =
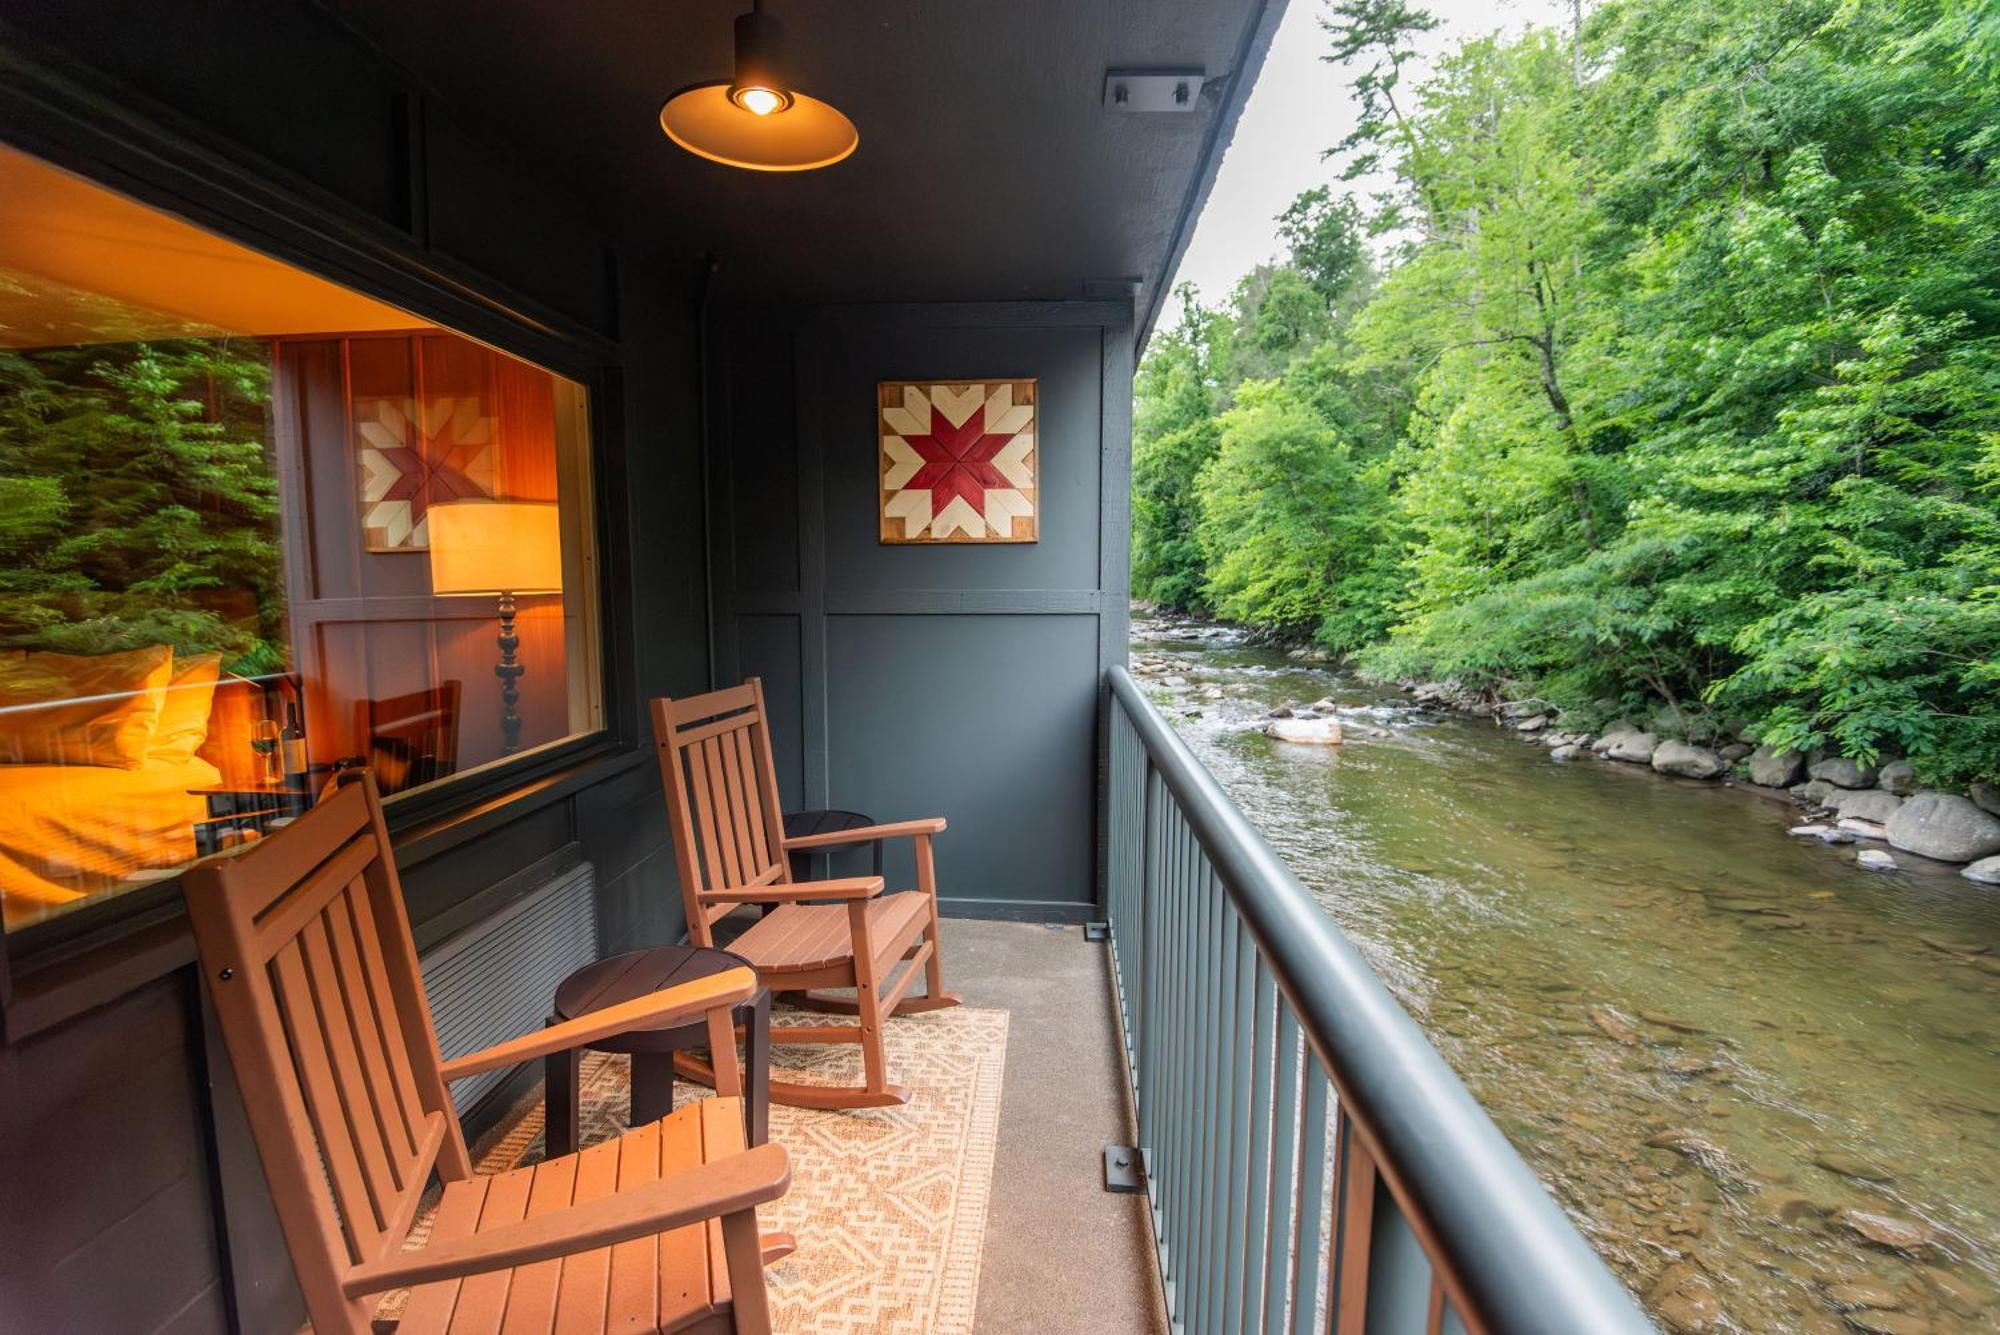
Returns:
point(1124, 1169)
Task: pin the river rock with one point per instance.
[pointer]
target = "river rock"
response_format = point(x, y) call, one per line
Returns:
point(1842, 772)
point(1813, 793)
point(1633, 747)
point(1811, 830)
point(1282, 711)
point(1568, 751)
point(1615, 1027)
point(1986, 871)
point(1533, 724)
point(1903, 1235)
point(1863, 829)
point(1309, 732)
point(1965, 1297)
point(1847, 1297)
point(1612, 732)
point(1776, 769)
point(1948, 828)
point(1898, 777)
point(1865, 804)
point(1685, 1299)
point(1688, 761)
point(1889, 1323)
point(1852, 1165)
point(1735, 751)
point(1874, 859)
point(1986, 797)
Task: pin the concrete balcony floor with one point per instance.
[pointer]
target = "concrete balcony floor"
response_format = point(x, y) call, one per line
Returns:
point(1062, 1254)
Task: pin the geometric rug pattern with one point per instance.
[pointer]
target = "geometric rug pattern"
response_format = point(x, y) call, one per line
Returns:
point(888, 1204)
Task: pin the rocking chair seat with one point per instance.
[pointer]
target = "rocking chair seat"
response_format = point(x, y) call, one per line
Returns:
point(670, 1282)
point(796, 938)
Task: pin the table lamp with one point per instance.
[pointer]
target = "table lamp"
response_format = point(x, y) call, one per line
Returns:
point(503, 548)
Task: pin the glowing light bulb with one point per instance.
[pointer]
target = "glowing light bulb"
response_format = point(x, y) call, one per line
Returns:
point(759, 101)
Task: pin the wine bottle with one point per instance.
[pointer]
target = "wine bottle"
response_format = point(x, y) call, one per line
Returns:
point(293, 743)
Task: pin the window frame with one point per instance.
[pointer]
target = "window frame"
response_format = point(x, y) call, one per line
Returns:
point(71, 117)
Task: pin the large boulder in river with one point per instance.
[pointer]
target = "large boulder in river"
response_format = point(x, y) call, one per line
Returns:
point(1688, 761)
point(1776, 769)
point(1842, 772)
point(1898, 777)
point(1309, 731)
point(1865, 803)
point(1945, 827)
point(1636, 747)
point(1612, 732)
point(1986, 797)
point(1986, 871)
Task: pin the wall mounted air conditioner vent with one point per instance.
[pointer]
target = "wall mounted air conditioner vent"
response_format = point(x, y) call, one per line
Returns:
point(497, 978)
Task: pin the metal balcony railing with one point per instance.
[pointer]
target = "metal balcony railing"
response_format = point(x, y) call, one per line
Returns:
point(1314, 1164)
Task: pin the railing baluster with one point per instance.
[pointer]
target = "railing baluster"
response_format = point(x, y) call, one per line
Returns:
point(1309, 1261)
point(1262, 1111)
point(1239, 1000)
point(1239, 1134)
point(1287, 1109)
point(1217, 1100)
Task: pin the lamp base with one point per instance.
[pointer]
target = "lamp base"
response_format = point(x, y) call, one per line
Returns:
point(509, 671)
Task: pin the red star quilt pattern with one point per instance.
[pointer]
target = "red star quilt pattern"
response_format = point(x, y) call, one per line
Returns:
point(958, 461)
point(440, 451)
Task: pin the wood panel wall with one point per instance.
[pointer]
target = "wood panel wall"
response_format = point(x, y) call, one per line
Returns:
point(365, 624)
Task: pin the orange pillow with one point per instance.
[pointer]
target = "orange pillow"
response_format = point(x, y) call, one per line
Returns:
point(75, 709)
point(183, 725)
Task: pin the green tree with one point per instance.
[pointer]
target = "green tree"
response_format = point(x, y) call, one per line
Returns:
point(137, 500)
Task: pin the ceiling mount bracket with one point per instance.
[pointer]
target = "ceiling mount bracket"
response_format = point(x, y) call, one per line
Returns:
point(1160, 89)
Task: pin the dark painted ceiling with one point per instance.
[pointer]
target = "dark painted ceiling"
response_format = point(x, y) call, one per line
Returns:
point(988, 168)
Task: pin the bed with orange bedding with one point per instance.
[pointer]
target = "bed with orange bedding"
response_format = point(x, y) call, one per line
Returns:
point(68, 832)
point(98, 753)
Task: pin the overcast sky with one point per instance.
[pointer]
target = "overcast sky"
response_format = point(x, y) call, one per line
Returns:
point(1301, 107)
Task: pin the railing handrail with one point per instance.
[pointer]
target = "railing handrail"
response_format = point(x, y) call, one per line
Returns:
point(1520, 1262)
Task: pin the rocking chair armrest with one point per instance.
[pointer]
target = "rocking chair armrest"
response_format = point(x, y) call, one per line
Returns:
point(903, 829)
point(724, 1187)
point(843, 887)
point(657, 1010)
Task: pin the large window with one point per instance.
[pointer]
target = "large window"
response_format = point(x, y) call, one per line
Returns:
point(254, 528)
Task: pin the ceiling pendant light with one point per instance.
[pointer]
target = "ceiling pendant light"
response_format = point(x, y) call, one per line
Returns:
point(758, 120)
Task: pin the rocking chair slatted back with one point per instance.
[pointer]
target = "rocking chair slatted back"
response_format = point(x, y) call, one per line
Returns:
point(722, 797)
point(318, 993)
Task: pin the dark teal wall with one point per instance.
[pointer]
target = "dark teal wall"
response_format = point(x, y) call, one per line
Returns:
point(957, 680)
point(130, 1200)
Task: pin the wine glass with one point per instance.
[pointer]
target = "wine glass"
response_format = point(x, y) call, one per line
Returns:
point(264, 741)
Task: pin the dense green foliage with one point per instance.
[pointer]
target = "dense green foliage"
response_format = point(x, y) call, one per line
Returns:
point(137, 501)
point(1675, 380)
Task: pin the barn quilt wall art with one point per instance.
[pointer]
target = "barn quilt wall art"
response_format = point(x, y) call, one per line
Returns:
point(439, 448)
point(958, 461)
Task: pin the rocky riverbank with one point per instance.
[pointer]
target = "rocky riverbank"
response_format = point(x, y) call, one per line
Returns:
point(1758, 1073)
point(1843, 801)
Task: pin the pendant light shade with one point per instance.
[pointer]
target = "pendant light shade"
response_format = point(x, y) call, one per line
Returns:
point(758, 120)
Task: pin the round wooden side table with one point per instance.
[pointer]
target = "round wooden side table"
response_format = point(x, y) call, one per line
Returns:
point(634, 974)
point(802, 823)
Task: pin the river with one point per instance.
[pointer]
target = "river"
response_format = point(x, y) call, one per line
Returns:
point(1609, 958)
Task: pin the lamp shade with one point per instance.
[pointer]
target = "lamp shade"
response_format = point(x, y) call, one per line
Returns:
point(804, 134)
point(495, 547)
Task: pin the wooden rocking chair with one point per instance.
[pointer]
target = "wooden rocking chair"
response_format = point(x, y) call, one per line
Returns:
point(305, 945)
point(731, 849)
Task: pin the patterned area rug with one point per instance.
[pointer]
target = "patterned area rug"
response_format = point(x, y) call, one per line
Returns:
point(888, 1204)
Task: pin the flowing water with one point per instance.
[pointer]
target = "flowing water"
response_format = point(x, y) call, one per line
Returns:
point(1611, 958)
